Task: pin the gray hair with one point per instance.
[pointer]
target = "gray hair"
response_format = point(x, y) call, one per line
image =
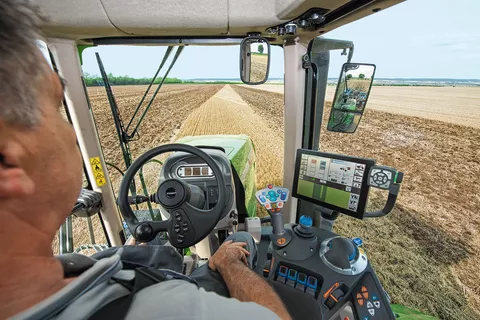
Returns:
point(21, 65)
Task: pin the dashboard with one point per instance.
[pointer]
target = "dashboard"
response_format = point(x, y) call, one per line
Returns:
point(192, 170)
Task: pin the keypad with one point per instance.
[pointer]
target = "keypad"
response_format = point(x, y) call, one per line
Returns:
point(298, 280)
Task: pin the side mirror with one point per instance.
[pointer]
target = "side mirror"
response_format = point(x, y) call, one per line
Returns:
point(351, 97)
point(254, 60)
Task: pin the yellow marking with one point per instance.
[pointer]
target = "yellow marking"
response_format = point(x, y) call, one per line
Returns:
point(97, 169)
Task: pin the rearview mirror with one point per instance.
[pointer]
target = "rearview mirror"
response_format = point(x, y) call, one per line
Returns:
point(254, 60)
point(351, 97)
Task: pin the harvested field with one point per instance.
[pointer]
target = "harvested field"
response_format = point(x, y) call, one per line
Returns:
point(258, 67)
point(429, 246)
point(427, 251)
point(227, 113)
point(358, 84)
point(457, 105)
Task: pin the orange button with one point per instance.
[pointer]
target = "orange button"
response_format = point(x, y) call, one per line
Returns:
point(281, 241)
point(360, 302)
point(359, 295)
point(365, 295)
point(364, 289)
point(346, 318)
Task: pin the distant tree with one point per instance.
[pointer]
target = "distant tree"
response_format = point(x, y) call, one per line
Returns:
point(260, 48)
point(349, 76)
point(361, 76)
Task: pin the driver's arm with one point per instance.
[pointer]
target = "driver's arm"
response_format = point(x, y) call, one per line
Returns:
point(242, 282)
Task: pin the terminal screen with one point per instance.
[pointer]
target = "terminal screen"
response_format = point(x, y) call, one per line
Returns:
point(334, 181)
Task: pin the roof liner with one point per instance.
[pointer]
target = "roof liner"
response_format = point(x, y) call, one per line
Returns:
point(89, 19)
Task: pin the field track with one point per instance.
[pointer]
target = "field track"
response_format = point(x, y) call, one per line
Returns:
point(227, 113)
point(457, 105)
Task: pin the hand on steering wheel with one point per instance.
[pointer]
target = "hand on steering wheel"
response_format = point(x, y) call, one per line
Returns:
point(187, 224)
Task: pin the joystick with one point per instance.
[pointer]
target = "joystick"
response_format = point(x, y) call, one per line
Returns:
point(304, 228)
point(273, 199)
point(342, 255)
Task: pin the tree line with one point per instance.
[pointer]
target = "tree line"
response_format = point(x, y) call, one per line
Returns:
point(94, 81)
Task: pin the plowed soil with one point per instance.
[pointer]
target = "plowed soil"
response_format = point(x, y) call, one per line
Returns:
point(457, 105)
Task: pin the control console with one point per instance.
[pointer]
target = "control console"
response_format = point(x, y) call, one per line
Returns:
point(318, 274)
point(316, 283)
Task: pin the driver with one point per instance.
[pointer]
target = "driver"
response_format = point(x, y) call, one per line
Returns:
point(40, 179)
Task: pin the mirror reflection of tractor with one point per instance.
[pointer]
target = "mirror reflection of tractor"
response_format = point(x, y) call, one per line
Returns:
point(206, 186)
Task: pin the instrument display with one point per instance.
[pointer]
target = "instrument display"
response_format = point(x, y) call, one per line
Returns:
point(333, 181)
point(194, 171)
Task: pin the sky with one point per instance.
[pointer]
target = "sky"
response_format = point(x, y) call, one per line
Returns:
point(415, 39)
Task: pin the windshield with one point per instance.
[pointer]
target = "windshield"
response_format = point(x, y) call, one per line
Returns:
point(201, 96)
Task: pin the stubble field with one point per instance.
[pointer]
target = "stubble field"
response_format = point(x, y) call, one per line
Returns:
point(427, 251)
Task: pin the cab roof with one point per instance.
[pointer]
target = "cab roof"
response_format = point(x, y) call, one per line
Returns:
point(94, 21)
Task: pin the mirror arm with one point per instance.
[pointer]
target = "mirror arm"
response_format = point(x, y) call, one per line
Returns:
point(324, 44)
point(350, 54)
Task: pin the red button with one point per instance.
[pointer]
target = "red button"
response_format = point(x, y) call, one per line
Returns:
point(270, 186)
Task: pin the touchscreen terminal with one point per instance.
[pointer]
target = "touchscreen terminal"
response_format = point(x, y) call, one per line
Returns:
point(332, 181)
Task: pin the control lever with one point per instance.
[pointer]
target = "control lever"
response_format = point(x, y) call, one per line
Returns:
point(89, 203)
point(273, 199)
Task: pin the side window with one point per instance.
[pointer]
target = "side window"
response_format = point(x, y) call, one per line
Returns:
point(77, 233)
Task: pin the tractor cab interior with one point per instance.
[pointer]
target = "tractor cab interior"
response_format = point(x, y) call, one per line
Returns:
point(206, 185)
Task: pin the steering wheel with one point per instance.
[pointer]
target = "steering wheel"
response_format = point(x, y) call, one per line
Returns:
point(187, 224)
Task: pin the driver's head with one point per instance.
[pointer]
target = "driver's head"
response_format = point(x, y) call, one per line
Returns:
point(40, 164)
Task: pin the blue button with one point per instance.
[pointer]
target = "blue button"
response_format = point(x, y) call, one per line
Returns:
point(272, 193)
point(262, 199)
point(279, 191)
point(357, 241)
point(306, 221)
point(292, 274)
point(282, 271)
point(312, 282)
point(366, 318)
point(273, 199)
point(302, 278)
point(283, 196)
point(264, 193)
point(374, 298)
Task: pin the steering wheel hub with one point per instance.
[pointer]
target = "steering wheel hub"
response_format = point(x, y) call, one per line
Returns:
point(172, 193)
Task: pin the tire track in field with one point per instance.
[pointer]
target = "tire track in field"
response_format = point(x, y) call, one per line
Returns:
point(227, 113)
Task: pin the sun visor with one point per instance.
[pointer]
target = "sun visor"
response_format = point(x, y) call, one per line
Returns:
point(74, 19)
point(166, 17)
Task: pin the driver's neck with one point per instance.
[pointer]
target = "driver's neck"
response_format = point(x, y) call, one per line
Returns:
point(29, 273)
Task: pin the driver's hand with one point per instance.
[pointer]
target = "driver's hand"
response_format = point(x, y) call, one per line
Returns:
point(229, 253)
